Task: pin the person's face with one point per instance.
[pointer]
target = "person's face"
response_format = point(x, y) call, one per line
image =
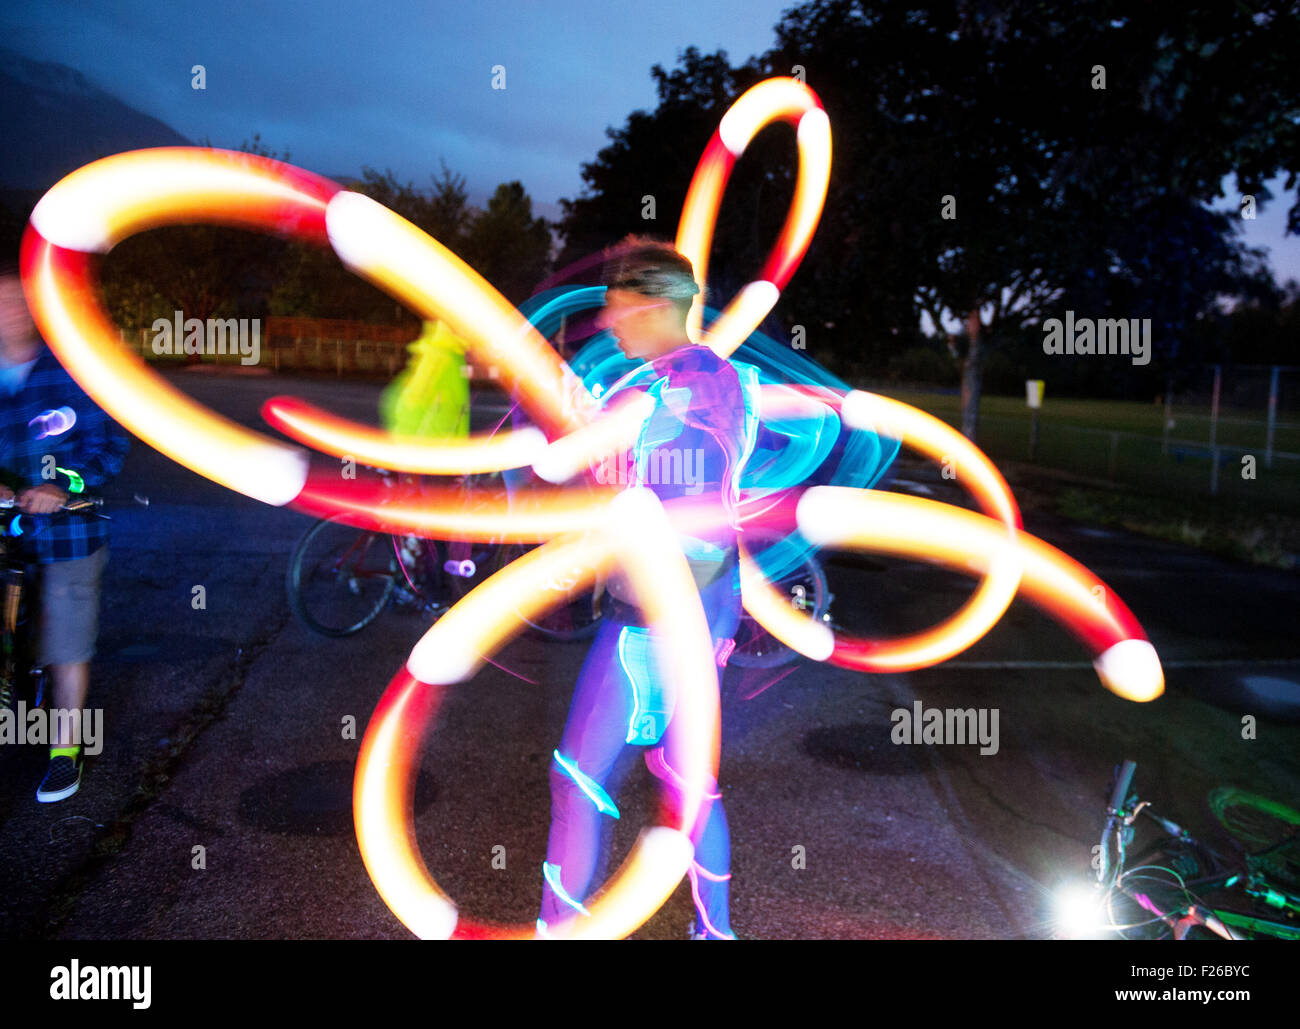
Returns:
point(642, 325)
point(18, 339)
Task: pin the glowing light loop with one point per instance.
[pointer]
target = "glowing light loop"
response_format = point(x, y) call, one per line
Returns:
point(585, 531)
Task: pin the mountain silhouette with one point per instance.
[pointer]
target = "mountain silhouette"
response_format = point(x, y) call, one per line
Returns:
point(52, 121)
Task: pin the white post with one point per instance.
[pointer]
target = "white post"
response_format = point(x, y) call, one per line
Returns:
point(1272, 417)
point(1214, 430)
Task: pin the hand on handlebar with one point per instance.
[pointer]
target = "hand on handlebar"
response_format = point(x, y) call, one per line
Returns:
point(41, 500)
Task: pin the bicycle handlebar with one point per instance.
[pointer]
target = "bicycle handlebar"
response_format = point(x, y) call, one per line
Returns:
point(75, 504)
point(1122, 784)
point(1107, 871)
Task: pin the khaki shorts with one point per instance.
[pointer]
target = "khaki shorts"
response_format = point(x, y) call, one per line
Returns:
point(70, 609)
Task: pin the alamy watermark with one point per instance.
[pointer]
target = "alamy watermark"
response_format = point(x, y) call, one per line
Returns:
point(76, 727)
point(74, 981)
point(242, 336)
point(946, 725)
point(1104, 336)
point(663, 466)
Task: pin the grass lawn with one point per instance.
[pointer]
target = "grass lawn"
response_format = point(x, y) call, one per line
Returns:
point(1116, 472)
point(1237, 428)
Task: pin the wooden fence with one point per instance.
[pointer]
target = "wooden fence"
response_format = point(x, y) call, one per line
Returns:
point(341, 346)
point(346, 347)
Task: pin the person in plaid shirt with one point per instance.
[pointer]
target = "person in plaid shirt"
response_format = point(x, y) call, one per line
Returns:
point(55, 442)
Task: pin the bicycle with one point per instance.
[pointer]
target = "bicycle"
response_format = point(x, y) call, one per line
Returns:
point(1164, 890)
point(22, 679)
point(340, 578)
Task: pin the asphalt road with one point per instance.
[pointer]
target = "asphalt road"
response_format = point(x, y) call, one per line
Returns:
point(224, 731)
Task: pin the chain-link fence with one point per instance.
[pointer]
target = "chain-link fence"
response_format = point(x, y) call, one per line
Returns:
point(1247, 408)
point(1174, 465)
point(1219, 432)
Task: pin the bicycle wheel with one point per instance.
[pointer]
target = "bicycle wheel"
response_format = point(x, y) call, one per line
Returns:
point(808, 591)
point(1183, 857)
point(8, 686)
point(21, 679)
point(10, 596)
point(1257, 823)
point(340, 577)
point(575, 615)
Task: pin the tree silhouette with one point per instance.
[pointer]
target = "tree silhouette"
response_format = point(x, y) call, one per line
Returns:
point(993, 162)
point(507, 245)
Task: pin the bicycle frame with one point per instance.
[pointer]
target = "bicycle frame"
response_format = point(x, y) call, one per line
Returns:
point(17, 589)
point(13, 578)
point(1122, 812)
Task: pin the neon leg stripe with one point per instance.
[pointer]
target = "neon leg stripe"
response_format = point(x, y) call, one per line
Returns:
point(659, 757)
point(636, 692)
point(710, 875)
point(551, 873)
point(589, 786)
point(699, 906)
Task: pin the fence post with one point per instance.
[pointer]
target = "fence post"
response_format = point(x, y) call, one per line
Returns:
point(1272, 417)
point(1214, 405)
point(1169, 415)
point(1214, 431)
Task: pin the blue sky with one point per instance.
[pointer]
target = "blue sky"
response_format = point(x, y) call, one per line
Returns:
point(396, 85)
point(403, 85)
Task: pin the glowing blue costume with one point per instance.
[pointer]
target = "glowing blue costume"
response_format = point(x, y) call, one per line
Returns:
point(619, 699)
point(694, 445)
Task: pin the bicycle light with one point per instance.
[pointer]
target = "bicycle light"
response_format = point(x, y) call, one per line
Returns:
point(1078, 911)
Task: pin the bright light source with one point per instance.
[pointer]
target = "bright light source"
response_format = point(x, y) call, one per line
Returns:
point(1079, 912)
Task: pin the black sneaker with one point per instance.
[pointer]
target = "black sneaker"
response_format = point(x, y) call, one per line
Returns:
point(62, 779)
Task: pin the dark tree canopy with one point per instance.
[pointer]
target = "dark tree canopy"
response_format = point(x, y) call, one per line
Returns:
point(206, 271)
point(213, 271)
point(507, 245)
point(994, 162)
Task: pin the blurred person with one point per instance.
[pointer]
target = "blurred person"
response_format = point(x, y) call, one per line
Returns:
point(620, 699)
point(430, 399)
point(430, 396)
point(39, 470)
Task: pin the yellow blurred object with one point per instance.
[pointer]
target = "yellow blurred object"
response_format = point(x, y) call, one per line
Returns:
point(430, 397)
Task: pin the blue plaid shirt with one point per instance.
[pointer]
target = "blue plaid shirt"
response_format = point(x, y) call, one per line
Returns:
point(94, 447)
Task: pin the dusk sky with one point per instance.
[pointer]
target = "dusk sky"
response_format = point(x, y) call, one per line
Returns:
point(403, 85)
point(397, 85)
